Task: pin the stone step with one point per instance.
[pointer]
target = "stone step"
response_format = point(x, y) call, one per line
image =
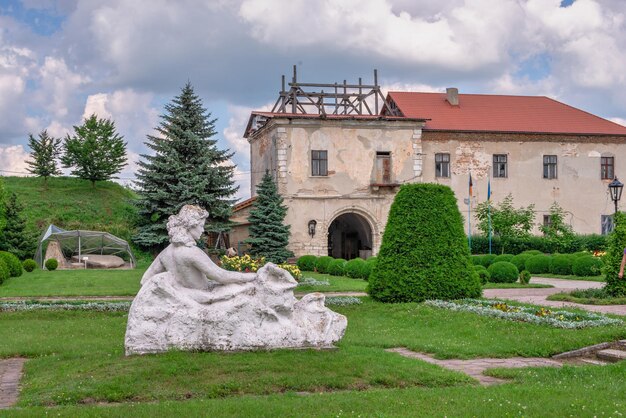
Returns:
point(611, 355)
point(621, 344)
point(595, 362)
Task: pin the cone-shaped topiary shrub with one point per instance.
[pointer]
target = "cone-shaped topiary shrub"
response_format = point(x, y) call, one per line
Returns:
point(307, 263)
point(337, 267)
point(321, 264)
point(503, 272)
point(587, 266)
point(424, 253)
point(538, 264)
point(13, 263)
point(615, 251)
point(561, 264)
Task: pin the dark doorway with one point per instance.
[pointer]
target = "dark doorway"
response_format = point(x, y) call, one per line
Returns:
point(350, 236)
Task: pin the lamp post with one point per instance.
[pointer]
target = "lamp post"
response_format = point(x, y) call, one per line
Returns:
point(615, 188)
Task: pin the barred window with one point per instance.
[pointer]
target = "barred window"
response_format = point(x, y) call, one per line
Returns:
point(442, 165)
point(319, 163)
point(549, 167)
point(383, 167)
point(500, 165)
point(607, 168)
point(606, 224)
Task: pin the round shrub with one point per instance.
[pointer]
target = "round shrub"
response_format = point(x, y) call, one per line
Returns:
point(532, 252)
point(477, 260)
point(337, 267)
point(538, 264)
point(13, 263)
point(424, 253)
point(487, 259)
point(503, 257)
point(524, 277)
point(29, 264)
point(355, 268)
point(587, 266)
point(51, 264)
point(321, 264)
point(483, 274)
point(4, 271)
point(370, 263)
point(503, 272)
point(561, 264)
point(581, 254)
point(307, 263)
point(520, 260)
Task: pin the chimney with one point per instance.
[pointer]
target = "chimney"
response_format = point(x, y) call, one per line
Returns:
point(452, 96)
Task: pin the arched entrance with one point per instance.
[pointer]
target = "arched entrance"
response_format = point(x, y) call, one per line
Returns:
point(350, 236)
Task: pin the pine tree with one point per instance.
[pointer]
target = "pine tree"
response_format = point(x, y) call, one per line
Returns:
point(44, 154)
point(95, 150)
point(269, 235)
point(186, 168)
point(12, 237)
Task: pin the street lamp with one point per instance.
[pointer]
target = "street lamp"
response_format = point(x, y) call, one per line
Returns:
point(615, 188)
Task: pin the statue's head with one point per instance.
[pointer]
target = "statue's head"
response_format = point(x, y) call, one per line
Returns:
point(186, 227)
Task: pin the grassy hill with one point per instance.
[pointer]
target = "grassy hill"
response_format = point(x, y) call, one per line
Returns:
point(72, 203)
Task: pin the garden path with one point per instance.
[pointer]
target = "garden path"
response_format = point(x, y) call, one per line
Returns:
point(538, 296)
point(10, 373)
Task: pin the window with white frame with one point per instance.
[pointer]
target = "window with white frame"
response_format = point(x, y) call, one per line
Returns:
point(442, 165)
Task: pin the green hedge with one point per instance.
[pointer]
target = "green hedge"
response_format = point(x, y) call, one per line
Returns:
point(424, 253)
point(503, 272)
point(337, 267)
point(587, 266)
point(592, 242)
point(520, 260)
point(503, 257)
point(307, 263)
point(356, 268)
point(321, 265)
point(561, 264)
point(13, 263)
point(539, 264)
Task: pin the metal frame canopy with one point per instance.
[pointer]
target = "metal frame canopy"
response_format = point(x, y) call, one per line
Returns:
point(79, 242)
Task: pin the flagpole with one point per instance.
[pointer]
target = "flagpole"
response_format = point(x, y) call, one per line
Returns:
point(489, 210)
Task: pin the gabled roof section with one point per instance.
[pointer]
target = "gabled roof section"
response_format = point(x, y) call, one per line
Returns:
point(498, 113)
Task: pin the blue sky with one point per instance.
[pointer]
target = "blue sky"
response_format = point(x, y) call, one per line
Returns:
point(63, 59)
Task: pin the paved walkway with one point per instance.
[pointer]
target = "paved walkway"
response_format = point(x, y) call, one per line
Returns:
point(475, 367)
point(10, 373)
point(538, 296)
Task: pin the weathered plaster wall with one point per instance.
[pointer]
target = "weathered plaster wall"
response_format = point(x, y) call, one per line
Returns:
point(578, 188)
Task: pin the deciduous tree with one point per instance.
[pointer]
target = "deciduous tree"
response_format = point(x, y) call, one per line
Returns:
point(44, 154)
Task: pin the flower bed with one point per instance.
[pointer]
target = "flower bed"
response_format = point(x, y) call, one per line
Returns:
point(65, 306)
point(342, 300)
point(535, 315)
point(248, 264)
point(310, 281)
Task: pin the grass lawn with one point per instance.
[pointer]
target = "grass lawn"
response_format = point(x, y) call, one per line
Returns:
point(570, 277)
point(588, 297)
point(336, 284)
point(76, 358)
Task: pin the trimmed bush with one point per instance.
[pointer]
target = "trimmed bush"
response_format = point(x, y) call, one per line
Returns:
point(487, 259)
point(593, 242)
point(370, 263)
point(476, 260)
point(582, 254)
point(29, 265)
point(483, 274)
point(532, 252)
point(321, 264)
point(587, 266)
point(307, 263)
point(337, 267)
point(424, 253)
point(503, 272)
point(520, 261)
point(13, 263)
point(503, 257)
point(524, 277)
point(539, 264)
point(51, 264)
point(561, 264)
point(4, 271)
point(355, 268)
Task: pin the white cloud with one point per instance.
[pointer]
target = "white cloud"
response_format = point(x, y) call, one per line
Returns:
point(13, 160)
point(620, 121)
point(58, 85)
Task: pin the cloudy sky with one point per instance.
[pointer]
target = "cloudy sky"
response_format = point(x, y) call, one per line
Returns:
point(61, 60)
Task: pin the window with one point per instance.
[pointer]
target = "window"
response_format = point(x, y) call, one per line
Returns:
point(319, 163)
point(547, 221)
point(549, 166)
point(606, 224)
point(499, 165)
point(442, 165)
point(607, 168)
point(383, 167)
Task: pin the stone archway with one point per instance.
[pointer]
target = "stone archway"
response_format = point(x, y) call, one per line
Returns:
point(350, 236)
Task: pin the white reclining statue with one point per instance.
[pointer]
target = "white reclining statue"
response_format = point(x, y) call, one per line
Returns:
point(186, 302)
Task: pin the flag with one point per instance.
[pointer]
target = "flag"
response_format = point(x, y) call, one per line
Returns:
point(489, 189)
point(470, 185)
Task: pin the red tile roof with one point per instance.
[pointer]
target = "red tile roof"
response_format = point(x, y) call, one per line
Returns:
point(494, 113)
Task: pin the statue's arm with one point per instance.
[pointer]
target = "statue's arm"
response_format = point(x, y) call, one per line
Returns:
point(203, 263)
point(155, 268)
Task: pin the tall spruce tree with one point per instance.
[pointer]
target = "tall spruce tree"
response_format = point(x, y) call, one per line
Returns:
point(95, 151)
point(44, 153)
point(269, 235)
point(186, 168)
point(13, 237)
